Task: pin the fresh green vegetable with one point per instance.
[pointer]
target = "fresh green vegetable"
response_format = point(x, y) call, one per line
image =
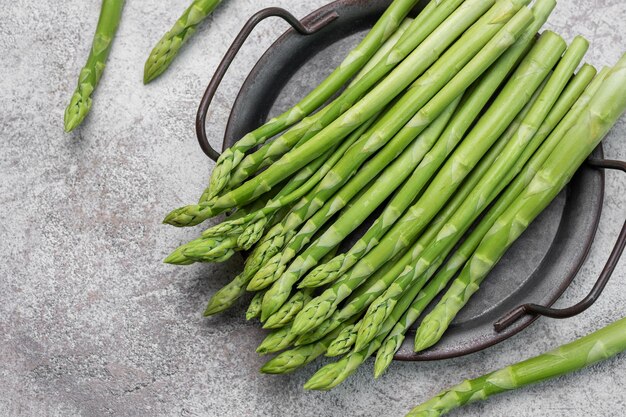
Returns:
point(382, 94)
point(425, 23)
point(469, 110)
point(446, 182)
point(393, 342)
point(490, 185)
point(90, 74)
point(386, 25)
point(598, 346)
point(388, 180)
point(168, 46)
point(603, 110)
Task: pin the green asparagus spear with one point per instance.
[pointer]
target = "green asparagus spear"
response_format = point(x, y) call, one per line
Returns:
point(387, 181)
point(425, 88)
point(295, 189)
point(288, 310)
point(357, 58)
point(335, 373)
point(254, 309)
point(76, 111)
point(596, 347)
point(217, 249)
point(480, 139)
point(168, 46)
point(603, 110)
point(226, 297)
point(491, 184)
point(354, 305)
point(277, 340)
point(427, 21)
point(393, 342)
point(343, 342)
point(290, 360)
point(470, 109)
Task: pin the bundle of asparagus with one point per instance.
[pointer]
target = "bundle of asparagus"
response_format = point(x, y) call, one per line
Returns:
point(460, 112)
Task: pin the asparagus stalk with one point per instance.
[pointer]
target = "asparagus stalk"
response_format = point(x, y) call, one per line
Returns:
point(426, 87)
point(355, 60)
point(598, 346)
point(290, 360)
point(268, 156)
point(469, 110)
point(295, 190)
point(446, 182)
point(335, 373)
point(490, 185)
point(603, 110)
point(343, 342)
point(254, 309)
point(90, 74)
point(168, 46)
point(393, 342)
point(381, 279)
point(354, 305)
point(288, 310)
point(383, 186)
point(277, 340)
point(427, 21)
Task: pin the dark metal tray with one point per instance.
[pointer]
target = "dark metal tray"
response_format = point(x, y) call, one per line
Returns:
point(540, 265)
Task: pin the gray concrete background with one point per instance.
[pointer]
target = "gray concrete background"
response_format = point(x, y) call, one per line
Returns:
point(92, 323)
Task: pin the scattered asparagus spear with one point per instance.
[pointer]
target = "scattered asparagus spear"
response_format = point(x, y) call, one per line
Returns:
point(598, 346)
point(603, 110)
point(168, 46)
point(90, 74)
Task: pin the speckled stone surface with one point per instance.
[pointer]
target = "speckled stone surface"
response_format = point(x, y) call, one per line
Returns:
point(93, 324)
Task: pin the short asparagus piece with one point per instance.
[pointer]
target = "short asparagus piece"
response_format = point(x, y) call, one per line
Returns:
point(168, 46)
point(426, 87)
point(598, 346)
point(90, 74)
point(357, 58)
point(595, 121)
point(446, 182)
point(490, 185)
point(393, 342)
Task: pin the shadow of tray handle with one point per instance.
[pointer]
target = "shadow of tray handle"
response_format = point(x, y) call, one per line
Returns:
point(302, 28)
point(563, 313)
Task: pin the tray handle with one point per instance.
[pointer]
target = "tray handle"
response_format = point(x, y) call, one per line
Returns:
point(303, 29)
point(563, 313)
